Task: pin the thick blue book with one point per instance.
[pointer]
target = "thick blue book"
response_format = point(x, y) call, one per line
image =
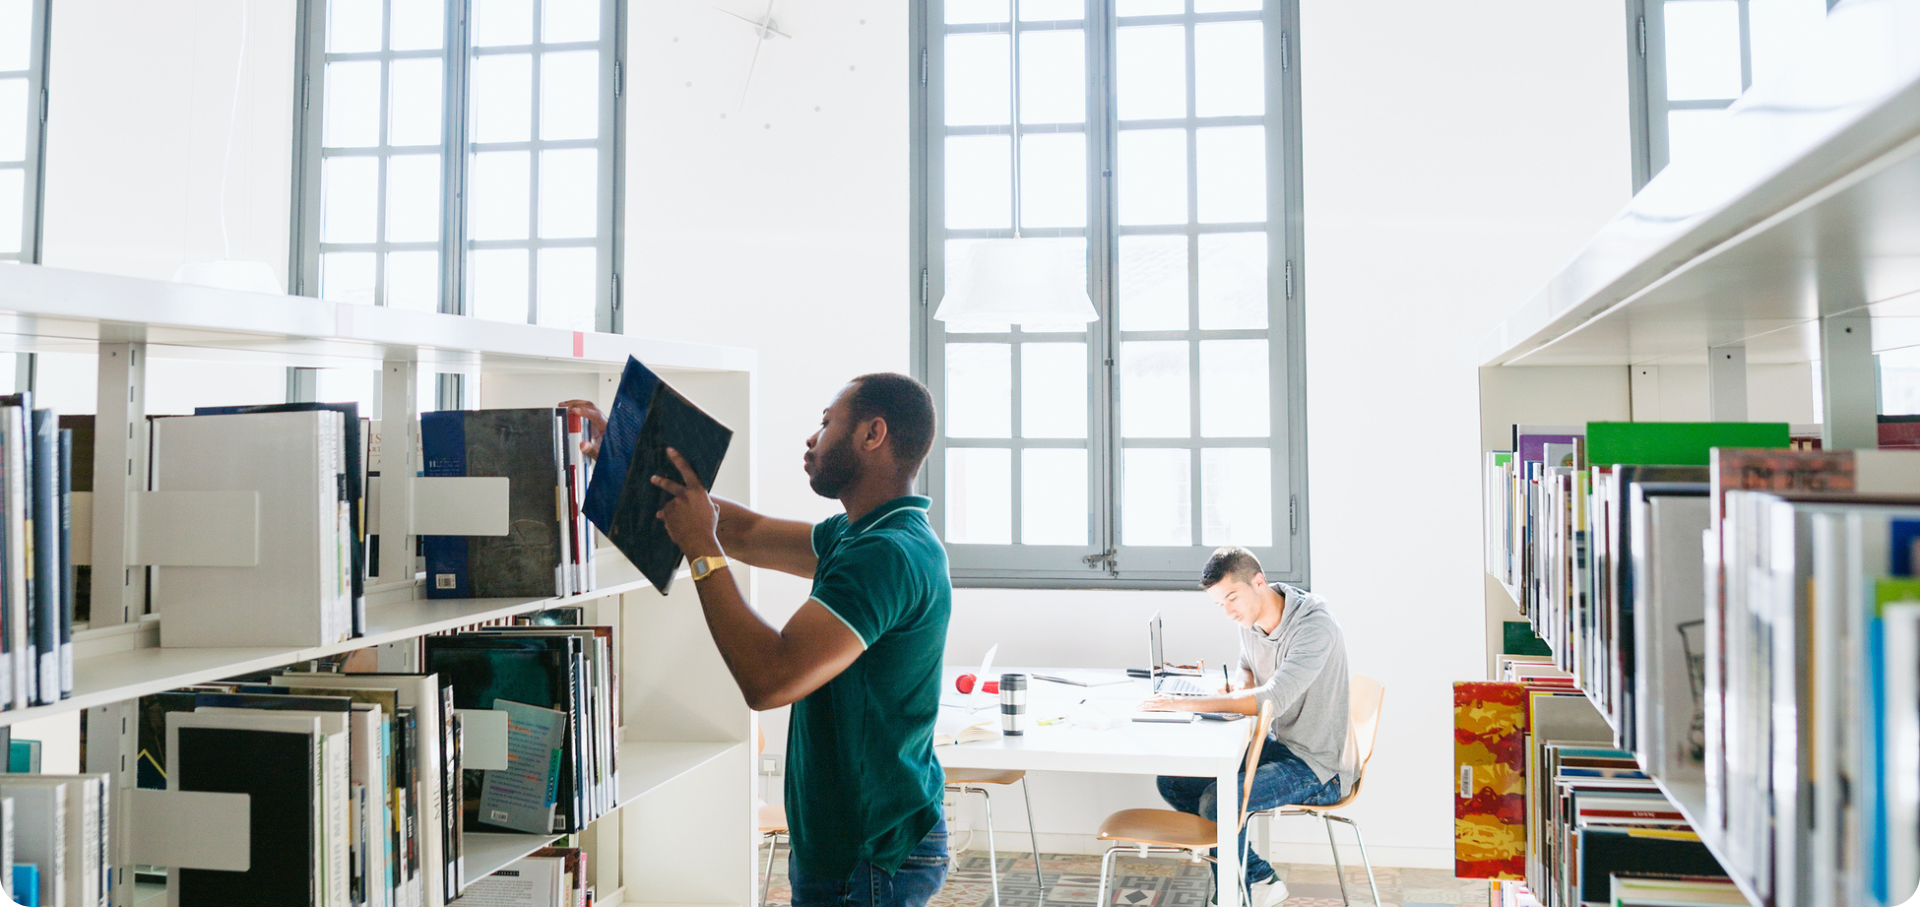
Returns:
point(524, 446)
point(648, 417)
point(44, 500)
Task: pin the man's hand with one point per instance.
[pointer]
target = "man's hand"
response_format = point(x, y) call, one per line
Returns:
point(1161, 702)
point(590, 411)
point(692, 518)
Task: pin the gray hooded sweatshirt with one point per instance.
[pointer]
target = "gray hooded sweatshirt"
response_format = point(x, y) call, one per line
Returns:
point(1301, 668)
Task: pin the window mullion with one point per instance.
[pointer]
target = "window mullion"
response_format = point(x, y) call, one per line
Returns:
point(453, 153)
point(1103, 336)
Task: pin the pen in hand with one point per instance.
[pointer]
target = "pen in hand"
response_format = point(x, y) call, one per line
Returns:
point(1227, 678)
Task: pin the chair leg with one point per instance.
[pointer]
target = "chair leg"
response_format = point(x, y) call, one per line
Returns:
point(1338, 872)
point(993, 855)
point(1266, 832)
point(773, 847)
point(1357, 836)
point(1033, 834)
point(1106, 873)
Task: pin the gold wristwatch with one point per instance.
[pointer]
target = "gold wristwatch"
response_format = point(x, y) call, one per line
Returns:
point(704, 567)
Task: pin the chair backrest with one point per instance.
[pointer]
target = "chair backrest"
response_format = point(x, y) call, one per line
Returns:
point(1363, 696)
point(1254, 747)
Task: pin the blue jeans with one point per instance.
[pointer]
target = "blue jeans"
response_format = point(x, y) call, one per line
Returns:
point(920, 876)
point(1280, 779)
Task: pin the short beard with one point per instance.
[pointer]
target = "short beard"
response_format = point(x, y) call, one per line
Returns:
point(839, 468)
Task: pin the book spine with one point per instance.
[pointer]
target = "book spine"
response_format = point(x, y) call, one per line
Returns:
point(45, 554)
point(340, 820)
point(452, 797)
point(443, 447)
point(65, 565)
point(19, 605)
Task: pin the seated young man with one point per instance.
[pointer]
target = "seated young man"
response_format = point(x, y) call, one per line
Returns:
point(1292, 655)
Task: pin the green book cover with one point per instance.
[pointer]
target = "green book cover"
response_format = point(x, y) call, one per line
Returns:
point(1517, 639)
point(1675, 443)
point(1890, 589)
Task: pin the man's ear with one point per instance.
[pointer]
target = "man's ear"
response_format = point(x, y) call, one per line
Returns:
point(1259, 581)
point(874, 433)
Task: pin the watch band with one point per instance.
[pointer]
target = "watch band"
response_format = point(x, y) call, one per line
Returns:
point(704, 567)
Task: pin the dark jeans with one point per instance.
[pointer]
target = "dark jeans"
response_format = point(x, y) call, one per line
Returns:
point(1280, 779)
point(920, 876)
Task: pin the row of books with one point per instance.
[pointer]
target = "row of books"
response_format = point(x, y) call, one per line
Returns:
point(37, 576)
point(360, 791)
point(550, 877)
point(1550, 810)
point(1718, 598)
point(55, 840)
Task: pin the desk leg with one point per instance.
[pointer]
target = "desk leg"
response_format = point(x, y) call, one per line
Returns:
point(1230, 875)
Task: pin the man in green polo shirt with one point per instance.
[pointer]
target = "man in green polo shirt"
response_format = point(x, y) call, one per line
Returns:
point(860, 661)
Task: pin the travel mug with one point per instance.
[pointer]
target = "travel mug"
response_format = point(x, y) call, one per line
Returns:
point(1013, 704)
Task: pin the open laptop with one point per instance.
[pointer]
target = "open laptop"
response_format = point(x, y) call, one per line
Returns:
point(1157, 664)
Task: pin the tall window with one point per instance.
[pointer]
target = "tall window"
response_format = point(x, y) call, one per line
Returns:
point(1156, 142)
point(1694, 58)
point(462, 156)
point(23, 118)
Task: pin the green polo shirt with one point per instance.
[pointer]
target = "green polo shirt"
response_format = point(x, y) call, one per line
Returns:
point(862, 783)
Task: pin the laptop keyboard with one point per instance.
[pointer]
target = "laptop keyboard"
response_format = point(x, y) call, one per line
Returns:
point(1180, 686)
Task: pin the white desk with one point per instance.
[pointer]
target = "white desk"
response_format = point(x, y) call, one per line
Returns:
point(1204, 748)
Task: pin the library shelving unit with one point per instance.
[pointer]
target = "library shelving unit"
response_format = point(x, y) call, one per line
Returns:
point(685, 831)
point(1794, 240)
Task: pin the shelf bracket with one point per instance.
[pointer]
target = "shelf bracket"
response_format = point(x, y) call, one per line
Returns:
point(221, 837)
point(225, 529)
point(1727, 383)
point(399, 439)
point(120, 470)
point(1848, 384)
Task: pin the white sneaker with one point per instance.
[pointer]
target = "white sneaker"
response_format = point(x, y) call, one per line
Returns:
point(1264, 894)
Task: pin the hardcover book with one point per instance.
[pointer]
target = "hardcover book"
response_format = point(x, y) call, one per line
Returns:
point(279, 770)
point(540, 671)
point(522, 445)
point(1489, 757)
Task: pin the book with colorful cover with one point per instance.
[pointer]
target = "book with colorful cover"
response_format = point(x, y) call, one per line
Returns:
point(1489, 755)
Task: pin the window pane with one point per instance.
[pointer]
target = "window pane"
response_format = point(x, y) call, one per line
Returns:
point(959, 256)
point(977, 74)
point(1053, 497)
point(347, 385)
point(1149, 7)
point(1152, 68)
point(979, 496)
point(347, 277)
point(16, 29)
point(499, 280)
point(1229, 69)
point(1233, 174)
point(353, 105)
point(570, 95)
point(353, 26)
point(1233, 389)
point(569, 180)
point(979, 390)
point(413, 198)
point(503, 98)
point(567, 283)
point(414, 111)
point(1153, 176)
point(1051, 10)
point(349, 199)
point(497, 22)
point(1154, 395)
point(417, 25)
point(1703, 49)
point(498, 187)
point(979, 181)
point(1153, 283)
point(1156, 497)
point(1690, 130)
point(13, 200)
point(1236, 497)
point(1233, 281)
point(1053, 76)
point(962, 12)
point(413, 281)
point(13, 119)
point(1053, 390)
point(1224, 6)
point(1053, 180)
point(569, 20)
point(1779, 30)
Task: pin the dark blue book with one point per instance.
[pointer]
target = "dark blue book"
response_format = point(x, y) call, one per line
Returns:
point(665, 419)
point(44, 501)
point(355, 490)
point(523, 445)
point(64, 491)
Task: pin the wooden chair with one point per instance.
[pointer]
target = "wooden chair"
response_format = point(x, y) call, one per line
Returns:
point(974, 781)
point(1168, 831)
point(1363, 696)
point(773, 827)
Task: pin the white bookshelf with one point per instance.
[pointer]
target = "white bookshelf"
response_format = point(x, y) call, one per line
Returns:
point(1794, 239)
point(685, 829)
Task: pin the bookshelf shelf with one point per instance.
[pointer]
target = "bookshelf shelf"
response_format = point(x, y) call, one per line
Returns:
point(1796, 213)
point(648, 765)
point(488, 853)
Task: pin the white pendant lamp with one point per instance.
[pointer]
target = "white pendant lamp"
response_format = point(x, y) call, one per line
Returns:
point(1018, 281)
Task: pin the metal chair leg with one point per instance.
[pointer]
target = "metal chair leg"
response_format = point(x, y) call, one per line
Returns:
point(1357, 836)
point(993, 855)
point(1338, 872)
point(1106, 873)
point(1033, 834)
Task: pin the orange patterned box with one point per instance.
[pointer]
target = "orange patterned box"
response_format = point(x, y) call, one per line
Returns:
point(1489, 761)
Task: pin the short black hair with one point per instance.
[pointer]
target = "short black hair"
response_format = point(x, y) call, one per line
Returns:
point(1229, 563)
point(907, 407)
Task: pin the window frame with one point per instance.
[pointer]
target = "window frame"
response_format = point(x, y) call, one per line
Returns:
point(1104, 562)
point(456, 149)
point(34, 183)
